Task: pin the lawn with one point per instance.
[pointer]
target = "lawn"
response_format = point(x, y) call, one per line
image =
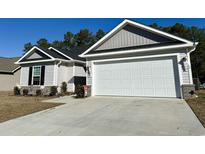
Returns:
point(15, 106)
point(198, 105)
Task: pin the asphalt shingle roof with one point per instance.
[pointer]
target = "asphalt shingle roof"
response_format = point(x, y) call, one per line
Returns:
point(53, 53)
point(74, 52)
point(7, 64)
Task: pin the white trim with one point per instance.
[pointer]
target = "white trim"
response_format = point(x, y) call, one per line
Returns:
point(71, 61)
point(60, 53)
point(16, 69)
point(93, 79)
point(139, 50)
point(50, 60)
point(38, 76)
point(35, 47)
point(138, 57)
point(180, 75)
point(36, 61)
point(124, 23)
point(73, 77)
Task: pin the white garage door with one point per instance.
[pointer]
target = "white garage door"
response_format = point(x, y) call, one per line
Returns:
point(156, 77)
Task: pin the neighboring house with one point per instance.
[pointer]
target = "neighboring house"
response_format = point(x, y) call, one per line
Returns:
point(9, 74)
point(137, 60)
point(43, 68)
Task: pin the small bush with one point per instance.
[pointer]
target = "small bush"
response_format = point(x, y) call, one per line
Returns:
point(53, 91)
point(79, 91)
point(38, 92)
point(16, 91)
point(63, 87)
point(25, 92)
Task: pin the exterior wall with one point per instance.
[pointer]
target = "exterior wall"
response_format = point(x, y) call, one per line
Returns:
point(24, 76)
point(79, 71)
point(89, 73)
point(49, 73)
point(131, 36)
point(183, 67)
point(9, 81)
point(65, 74)
point(34, 56)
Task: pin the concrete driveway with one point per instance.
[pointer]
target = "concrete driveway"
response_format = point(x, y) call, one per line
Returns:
point(109, 116)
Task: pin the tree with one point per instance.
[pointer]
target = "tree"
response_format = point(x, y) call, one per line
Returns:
point(99, 34)
point(43, 43)
point(58, 44)
point(27, 47)
point(154, 25)
point(69, 39)
point(84, 37)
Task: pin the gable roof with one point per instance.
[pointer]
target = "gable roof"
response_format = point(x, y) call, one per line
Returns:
point(179, 42)
point(53, 54)
point(7, 65)
point(73, 53)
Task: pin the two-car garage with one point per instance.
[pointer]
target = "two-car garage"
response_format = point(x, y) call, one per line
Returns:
point(151, 77)
point(137, 60)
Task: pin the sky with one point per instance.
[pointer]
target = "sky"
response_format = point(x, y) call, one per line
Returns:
point(14, 33)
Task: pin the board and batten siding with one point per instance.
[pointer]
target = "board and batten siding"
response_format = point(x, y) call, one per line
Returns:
point(34, 56)
point(185, 70)
point(89, 76)
point(129, 36)
point(24, 75)
point(65, 74)
point(49, 74)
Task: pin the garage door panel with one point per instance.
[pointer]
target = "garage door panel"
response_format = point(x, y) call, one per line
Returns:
point(149, 77)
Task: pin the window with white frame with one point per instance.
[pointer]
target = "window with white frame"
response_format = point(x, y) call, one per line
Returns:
point(36, 75)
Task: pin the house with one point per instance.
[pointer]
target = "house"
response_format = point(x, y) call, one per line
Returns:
point(137, 60)
point(9, 73)
point(43, 68)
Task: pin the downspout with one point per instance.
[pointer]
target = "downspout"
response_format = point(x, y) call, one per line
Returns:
point(56, 73)
point(189, 62)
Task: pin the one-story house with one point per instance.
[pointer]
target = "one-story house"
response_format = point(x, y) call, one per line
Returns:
point(9, 73)
point(43, 68)
point(136, 60)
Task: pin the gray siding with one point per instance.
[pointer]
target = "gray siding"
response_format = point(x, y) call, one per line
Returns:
point(35, 56)
point(185, 78)
point(9, 81)
point(65, 74)
point(24, 75)
point(130, 36)
point(49, 75)
point(184, 70)
point(89, 76)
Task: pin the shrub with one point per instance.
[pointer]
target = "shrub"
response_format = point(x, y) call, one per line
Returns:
point(63, 87)
point(16, 91)
point(53, 91)
point(38, 92)
point(25, 92)
point(79, 91)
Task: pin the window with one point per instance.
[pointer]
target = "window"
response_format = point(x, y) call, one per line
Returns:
point(36, 75)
